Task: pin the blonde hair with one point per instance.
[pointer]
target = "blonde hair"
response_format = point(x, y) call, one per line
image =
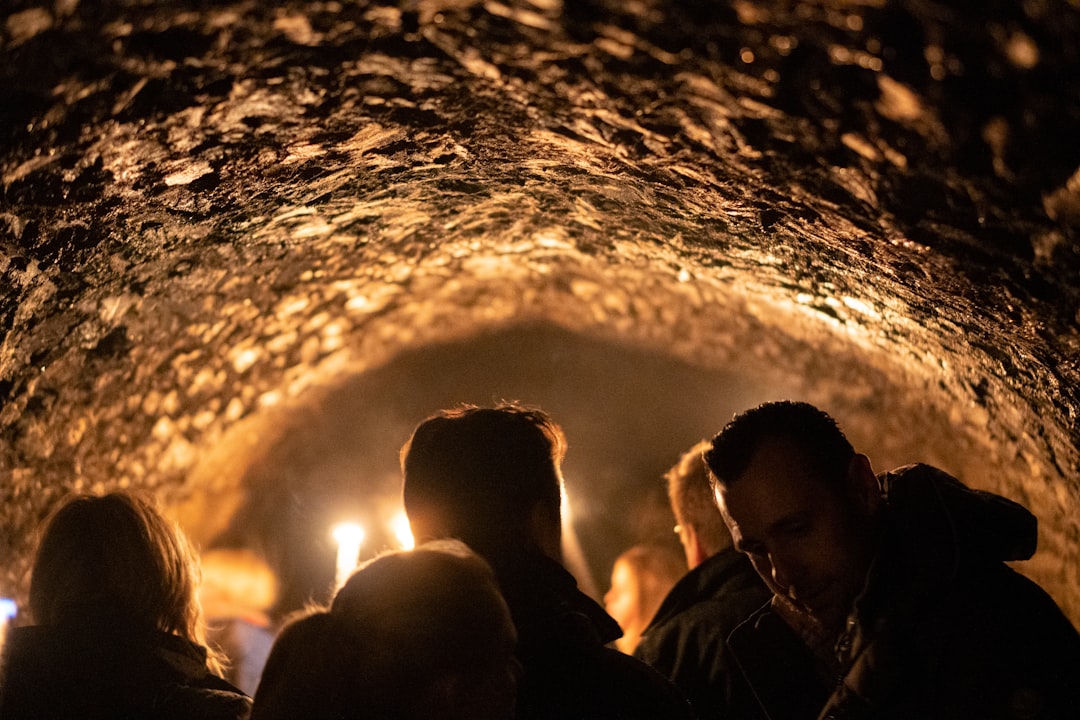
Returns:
point(691, 494)
point(116, 557)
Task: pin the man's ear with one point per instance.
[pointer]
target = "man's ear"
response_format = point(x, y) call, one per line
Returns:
point(695, 554)
point(863, 483)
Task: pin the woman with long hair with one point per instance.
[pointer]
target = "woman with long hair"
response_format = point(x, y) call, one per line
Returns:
point(640, 580)
point(118, 631)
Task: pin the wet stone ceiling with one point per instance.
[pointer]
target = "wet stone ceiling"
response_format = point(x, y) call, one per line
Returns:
point(220, 222)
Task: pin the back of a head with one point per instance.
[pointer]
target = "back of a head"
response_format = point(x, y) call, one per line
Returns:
point(813, 432)
point(476, 474)
point(693, 502)
point(302, 673)
point(115, 557)
point(434, 608)
point(404, 629)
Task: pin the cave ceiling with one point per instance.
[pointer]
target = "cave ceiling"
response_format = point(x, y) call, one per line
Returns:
point(218, 218)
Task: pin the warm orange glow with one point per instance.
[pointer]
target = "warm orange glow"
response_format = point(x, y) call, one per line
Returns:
point(349, 537)
point(402, 531)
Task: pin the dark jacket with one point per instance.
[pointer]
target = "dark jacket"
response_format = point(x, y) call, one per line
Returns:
point(943, 629)
point(686, 639)
point(569, 673)
point(89, 673)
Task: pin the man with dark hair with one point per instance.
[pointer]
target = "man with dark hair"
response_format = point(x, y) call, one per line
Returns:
point(492, 478)
point(891, 596)
point(685, 640)
point(479, 473)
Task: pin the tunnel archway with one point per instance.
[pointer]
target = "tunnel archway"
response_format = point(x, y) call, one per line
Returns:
point(218, 219)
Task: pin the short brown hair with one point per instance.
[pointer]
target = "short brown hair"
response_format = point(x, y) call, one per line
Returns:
point(476, 473)
point(816, 435)
point(692, 501)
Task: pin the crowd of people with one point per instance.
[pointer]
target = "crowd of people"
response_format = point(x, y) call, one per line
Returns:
point(811, 587)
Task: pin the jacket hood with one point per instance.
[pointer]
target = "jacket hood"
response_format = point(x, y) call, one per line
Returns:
point(941, 522)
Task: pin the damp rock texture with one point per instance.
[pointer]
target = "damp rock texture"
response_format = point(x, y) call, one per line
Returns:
point(212, 213)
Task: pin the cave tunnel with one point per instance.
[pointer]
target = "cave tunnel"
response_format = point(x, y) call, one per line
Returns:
point(245, 247)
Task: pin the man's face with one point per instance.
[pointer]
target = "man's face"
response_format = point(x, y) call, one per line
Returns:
point(808, 541)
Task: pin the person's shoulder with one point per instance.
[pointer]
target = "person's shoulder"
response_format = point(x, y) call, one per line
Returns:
point(724, 584)
point(1009, 599)
point(704, 622)
point(191, 702)
point(935, 515)
point(645, 692)
point(598, 682)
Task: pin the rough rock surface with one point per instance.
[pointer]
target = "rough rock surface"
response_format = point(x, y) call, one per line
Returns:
point(217, 220)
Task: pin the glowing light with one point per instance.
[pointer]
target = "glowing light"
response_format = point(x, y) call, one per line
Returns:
point(400, 527)
point(8, 610)
point(573, 554)
point(349, 537)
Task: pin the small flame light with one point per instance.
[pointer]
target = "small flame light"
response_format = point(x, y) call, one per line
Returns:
point(400, 526)
point(349, 537)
